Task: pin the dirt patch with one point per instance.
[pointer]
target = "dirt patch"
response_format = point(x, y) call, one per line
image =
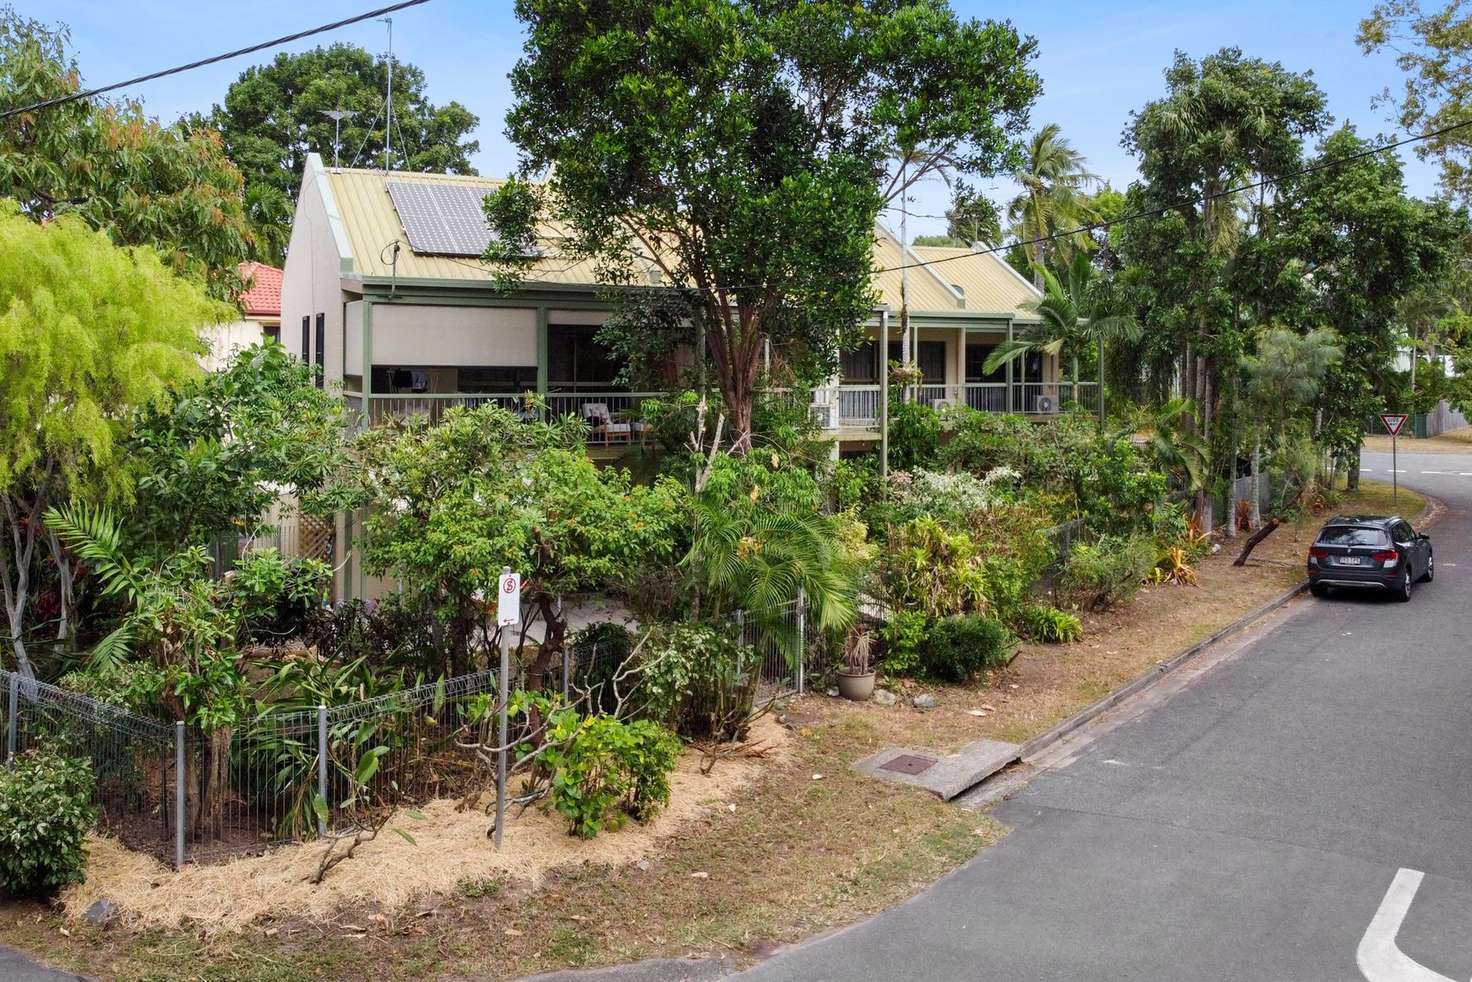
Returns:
point(450, 846)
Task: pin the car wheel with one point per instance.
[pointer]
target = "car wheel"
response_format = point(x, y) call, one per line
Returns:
point(1318, 589)
point(1430, 573)
point(1403, 593)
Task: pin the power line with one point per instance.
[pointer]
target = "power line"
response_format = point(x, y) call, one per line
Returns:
point(275, 42)
point(1200, 199)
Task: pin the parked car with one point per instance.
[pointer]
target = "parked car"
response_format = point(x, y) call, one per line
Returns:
point(1369, 552)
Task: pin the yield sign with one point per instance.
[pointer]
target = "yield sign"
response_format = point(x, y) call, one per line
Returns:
point(1393, 422)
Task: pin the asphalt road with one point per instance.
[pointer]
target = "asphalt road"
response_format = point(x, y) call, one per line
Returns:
point(1249, 828)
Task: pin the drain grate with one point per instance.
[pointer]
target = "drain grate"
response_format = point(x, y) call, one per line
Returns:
point(908, 764)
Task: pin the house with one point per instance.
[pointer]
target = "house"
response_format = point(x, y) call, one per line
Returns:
point(260, 318)
point(384, 292)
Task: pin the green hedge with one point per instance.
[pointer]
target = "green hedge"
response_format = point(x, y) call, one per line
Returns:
point(45, 812)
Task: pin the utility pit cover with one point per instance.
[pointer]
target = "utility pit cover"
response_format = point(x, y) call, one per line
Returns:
point(908, 764)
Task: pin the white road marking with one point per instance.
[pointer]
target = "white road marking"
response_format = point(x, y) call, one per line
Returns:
point(1367, 470)
point(1431, 472)
point(1379, 957)
point(1397, 471)
point(1464, 473)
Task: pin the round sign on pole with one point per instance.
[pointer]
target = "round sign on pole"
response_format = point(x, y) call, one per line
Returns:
point(508, 603)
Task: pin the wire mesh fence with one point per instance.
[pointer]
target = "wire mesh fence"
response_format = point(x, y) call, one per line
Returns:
point(185, 794)
point(132, 757)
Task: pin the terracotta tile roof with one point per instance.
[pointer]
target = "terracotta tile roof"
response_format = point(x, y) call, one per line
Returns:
point(262, 297)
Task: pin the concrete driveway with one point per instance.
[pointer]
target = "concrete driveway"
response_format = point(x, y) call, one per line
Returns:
point(1252, 827)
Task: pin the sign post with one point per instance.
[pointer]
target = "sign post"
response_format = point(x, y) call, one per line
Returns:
point(1393, 423)
point(508, 614)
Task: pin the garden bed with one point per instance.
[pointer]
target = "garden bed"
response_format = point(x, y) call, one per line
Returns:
point(810, 844)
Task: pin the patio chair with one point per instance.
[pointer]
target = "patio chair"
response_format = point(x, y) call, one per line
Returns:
point(602, 426)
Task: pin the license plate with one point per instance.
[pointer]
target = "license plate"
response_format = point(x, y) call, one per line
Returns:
point(1349, 560)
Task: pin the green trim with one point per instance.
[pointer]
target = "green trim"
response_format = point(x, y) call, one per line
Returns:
point(542, 350)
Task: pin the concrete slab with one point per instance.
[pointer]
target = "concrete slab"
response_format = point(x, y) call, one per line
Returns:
point(950, 774)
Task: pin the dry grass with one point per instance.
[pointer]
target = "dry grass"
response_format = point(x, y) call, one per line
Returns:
point(390, 873)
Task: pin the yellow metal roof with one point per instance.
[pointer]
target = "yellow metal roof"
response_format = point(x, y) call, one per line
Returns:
point(988, 283)
point(964, 282)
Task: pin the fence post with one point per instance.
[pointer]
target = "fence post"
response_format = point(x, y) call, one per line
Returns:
point(740, 626)
point(179, 808)
point(322, 769)
point(565, 668)
point(12, 716)
point(501, 738)
point(802, 635)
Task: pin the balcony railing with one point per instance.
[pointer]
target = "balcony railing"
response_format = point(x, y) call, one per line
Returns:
point(858, 405)
point(609, 414)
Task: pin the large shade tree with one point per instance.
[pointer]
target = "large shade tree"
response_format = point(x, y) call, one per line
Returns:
point(1223, 121)
point(108, 162)
point(273, 115)
point(741, 153)
point(82, 354)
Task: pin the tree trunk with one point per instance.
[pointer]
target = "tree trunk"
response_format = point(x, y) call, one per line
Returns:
point(1255, 538)
point(1232, 499)
point(1254, 512)
point(213, 776)
point(66, 593)
point(1352, 471)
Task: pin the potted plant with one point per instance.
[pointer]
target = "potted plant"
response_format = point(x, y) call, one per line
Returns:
point(856, 678)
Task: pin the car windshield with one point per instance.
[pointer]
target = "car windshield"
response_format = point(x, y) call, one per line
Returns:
point(1352, 535)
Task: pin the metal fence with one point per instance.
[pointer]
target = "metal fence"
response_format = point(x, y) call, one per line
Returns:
point(183, 794)
point(132, 757)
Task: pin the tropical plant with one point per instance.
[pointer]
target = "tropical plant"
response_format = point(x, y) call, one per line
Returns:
point(45, 813)
point(1049, 625)
point(1107, 573)
point(957, 648)
point(695, 681)
point(1054, 194)
point(451, 505)
point(82, 355)
point(1078, 318)
point(857, 647)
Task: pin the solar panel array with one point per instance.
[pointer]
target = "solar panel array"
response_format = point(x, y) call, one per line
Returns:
point(441, 219)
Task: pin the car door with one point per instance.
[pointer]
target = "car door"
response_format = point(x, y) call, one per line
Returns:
point(1413, 550)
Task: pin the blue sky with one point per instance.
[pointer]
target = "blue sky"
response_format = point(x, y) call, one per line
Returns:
point(1098, 60)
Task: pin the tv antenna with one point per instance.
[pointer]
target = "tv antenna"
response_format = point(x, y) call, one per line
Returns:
point(388, 110)
point(337, 116)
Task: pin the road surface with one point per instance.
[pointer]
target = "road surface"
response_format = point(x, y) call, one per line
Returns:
point(1303, 811)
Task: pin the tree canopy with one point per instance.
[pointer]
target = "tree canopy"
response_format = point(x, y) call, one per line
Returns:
point(273, 115)
point(743, 151)
point(108, 162)
point(82, 354)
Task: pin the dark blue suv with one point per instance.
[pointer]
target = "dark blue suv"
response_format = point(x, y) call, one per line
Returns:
point(1369, 552)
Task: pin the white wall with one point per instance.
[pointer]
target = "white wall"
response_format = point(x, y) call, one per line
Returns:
point(225, 339)
point(311, 280)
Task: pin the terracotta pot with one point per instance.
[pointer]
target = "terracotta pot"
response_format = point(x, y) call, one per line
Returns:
point(856, 687)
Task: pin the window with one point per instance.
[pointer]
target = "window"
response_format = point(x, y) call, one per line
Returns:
point(321, 350)
point(271, 332)
point(976, 356)
point(1402, 532)
point(504, 379)
point(306, 340)
point(1351, 535)
point(861, 365)
point(577, 360)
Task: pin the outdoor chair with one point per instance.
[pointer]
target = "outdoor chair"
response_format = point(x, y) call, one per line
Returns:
point(601, 424)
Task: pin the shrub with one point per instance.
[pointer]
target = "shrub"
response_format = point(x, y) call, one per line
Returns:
point(934, 569)
point(45, 812)
point(696, 681)
point(1108, 572)
point(903, 636)
point(1049, 625)
point(275, 596)
point(956, 648)
point(601, 649)
point(914, 435)
point(604, 770)
point(951, 495)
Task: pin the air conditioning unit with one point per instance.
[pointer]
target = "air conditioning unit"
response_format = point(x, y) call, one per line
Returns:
point(1045, 404)
point(822, 415)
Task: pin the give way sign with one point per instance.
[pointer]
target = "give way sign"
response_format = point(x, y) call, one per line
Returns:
point(1393, 422)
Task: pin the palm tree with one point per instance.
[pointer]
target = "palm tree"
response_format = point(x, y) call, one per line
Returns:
point(1054, 195)
point(1076, 315)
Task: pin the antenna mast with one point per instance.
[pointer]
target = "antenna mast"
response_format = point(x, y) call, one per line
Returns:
point(388, 109)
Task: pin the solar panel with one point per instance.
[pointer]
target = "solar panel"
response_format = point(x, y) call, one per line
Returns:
point(442, 219)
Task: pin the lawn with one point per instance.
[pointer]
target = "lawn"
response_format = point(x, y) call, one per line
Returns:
point(808, 846)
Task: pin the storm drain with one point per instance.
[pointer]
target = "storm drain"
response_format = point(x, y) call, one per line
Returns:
point(908, 764)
